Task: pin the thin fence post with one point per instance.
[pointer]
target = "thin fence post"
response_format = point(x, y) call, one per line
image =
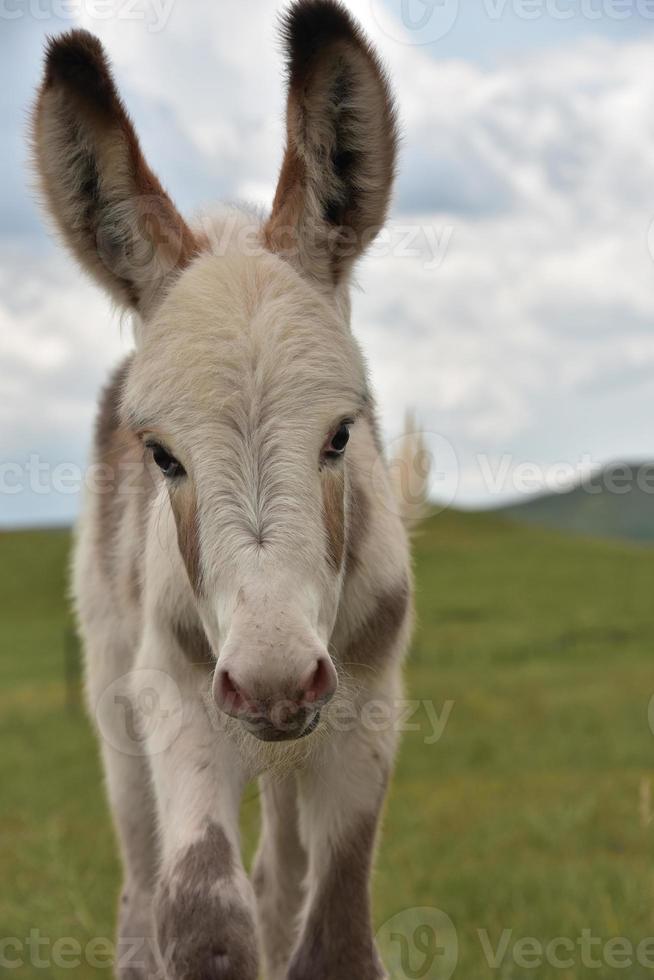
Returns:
point(72, 669)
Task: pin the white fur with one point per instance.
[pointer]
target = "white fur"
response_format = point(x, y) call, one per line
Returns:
point(245, 364)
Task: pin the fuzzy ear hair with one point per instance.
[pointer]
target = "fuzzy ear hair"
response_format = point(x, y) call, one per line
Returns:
point(337, 174)
point(109, 207)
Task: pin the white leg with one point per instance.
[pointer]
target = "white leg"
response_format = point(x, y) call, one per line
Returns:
point(204, 905)
point(279, 871)
point(109, 655)
point(128, 784)
point(341, 799)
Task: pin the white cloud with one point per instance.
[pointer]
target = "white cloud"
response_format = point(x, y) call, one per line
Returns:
point(534, 334)
point(58, 336)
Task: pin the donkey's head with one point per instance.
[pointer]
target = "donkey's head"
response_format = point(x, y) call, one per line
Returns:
point(246, 385)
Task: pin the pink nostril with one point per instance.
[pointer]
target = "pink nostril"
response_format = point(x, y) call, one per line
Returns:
point(229, 696)
point(321, 683)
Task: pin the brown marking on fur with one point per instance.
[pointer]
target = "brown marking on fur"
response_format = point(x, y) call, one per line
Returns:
point(202, 932)
point(123, 483)
point(280, 231)
point(192, 639)
point(185, 511)
point(375, 638)
point(339, 164)
point(337, 942)
point(333, 513)
point(109, 206)
point(142, 506)
point(204, 862)
point(358, 526)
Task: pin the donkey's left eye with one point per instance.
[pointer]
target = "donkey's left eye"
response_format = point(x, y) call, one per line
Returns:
point(169, 466)
point(338, 442)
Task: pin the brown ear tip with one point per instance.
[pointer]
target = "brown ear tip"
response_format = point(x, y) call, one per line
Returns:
point(76, 59)
point(309, 25)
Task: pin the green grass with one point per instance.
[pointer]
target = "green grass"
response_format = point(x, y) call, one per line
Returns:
point(530, 814)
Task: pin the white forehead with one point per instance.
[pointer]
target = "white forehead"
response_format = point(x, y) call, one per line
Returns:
point(241, 326)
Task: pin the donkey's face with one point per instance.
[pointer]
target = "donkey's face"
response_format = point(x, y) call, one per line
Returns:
point(246, 388)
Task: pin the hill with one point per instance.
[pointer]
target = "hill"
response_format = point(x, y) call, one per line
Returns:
point(616, 503)
point(529, 816)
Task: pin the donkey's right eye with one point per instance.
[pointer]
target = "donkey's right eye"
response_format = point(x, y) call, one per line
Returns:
point(168, 465)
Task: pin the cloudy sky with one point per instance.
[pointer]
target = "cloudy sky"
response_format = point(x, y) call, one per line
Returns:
point(511, 303)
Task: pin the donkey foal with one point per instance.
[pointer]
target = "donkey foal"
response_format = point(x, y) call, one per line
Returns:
point(242, 582)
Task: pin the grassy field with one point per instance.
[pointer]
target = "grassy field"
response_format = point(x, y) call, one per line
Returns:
point(530, 817)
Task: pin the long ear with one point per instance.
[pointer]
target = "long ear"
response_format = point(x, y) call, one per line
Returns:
point(337, 174)
point(107, 204)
